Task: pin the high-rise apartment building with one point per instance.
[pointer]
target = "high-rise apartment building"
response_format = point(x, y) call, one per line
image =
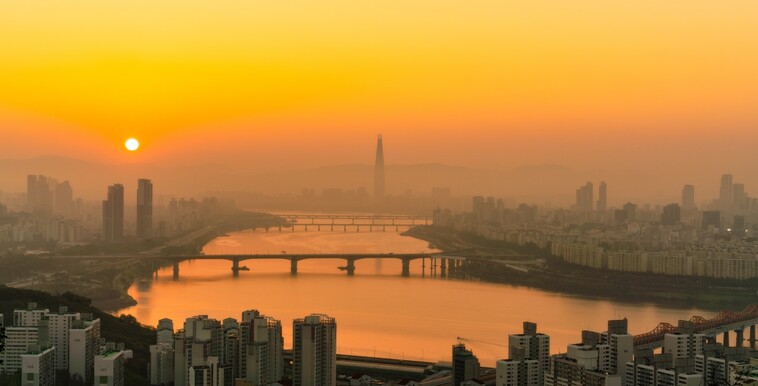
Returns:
point(113, 214)
point(261, 348)
point(314, 351)
point(144, 209)
point(109, 368)
point(64, 199)
point(38, 366)
point(465, 364)
point(517, 370)
point(535, 346)
point(84, 345)
point(40, 195)
point(379, 171)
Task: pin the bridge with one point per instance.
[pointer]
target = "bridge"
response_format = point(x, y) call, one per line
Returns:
point(345, 222)
point(722, 323)
point(445, 261)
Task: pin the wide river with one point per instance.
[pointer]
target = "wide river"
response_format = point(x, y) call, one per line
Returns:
point(378, 312)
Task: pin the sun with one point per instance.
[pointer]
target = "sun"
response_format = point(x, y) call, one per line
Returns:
point(131, 144)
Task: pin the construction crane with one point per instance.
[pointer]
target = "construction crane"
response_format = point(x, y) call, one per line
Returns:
point(462, 339)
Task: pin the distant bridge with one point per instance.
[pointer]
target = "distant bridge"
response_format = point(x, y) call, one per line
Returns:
point(722, 323)
point(345, 222)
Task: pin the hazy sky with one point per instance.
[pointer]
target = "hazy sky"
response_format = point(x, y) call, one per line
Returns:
point(490, 84)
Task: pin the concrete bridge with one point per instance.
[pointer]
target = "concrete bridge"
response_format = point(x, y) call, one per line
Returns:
point(723, 323)
point(445, 261)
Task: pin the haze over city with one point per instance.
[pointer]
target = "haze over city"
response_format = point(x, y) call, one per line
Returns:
point(353, 193)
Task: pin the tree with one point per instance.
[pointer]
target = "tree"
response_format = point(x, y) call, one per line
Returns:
point(2, 341)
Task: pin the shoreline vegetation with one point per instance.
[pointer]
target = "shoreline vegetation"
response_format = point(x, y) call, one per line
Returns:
point(558, 276)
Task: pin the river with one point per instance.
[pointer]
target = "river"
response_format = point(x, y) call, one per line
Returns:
point(378, 312)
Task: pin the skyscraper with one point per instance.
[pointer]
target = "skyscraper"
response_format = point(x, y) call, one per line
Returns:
point(725, 193)
point(64, 199)
point(379, 171)
point(113, 214)
point(314, 351)
point(602, 200)
point(465, 364)
point(688, 197)
point(144, 209)
point(584, 198)
point(40, 195)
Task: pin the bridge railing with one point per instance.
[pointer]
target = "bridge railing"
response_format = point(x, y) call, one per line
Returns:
point(701, 324)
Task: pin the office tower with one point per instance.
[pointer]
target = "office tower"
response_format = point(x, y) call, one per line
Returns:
point(64, 199)
point(113, 214)
point(726, 192)
point(602, 200)
point(536, 346)
point(672, 215)
point(261, 349)
point(109, 368)
point(40, 195)
point(379, 171)
point(38, 366)
point(711, 218)
point(517, 370)
point(465, 364)
point(314, 351)
point(584, 198)
point(84, 345)
point(688, 197)
point(144, 209)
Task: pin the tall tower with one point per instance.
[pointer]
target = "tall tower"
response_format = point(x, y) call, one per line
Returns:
point(379, 171)
point(113, 214)
point(688, 197)
point(602, 201)
point(144, 208)
point(726, 192)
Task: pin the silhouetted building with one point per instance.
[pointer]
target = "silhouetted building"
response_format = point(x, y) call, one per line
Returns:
point(144, 209)
point(465, 364)
point(739, 198)
point(379, 171)
point(688, 197)
point(39, 195)
point(711, 218)
point(631, 211)
point(672, 215)
point(64, 199)
point(584, 198)
point(314, 349)
point(738, 225)
point(113, 214)
point(602, 200)
point(726, 192)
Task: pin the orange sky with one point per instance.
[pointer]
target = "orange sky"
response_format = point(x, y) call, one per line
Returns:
point(490, 83)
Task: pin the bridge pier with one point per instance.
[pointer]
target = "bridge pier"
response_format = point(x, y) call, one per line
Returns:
point(726, 339)
point(751, 337)
point(235, 267)
point(293, 266)
point(740, 339)
point(443, 267)
point(176, 270)
point(423, 267)
point(350, 266)
point(406, 267)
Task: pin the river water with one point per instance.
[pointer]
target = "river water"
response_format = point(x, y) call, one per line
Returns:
point(378, 312)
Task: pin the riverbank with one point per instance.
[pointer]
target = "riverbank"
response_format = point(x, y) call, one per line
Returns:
point(558, 276)
point(106, 280)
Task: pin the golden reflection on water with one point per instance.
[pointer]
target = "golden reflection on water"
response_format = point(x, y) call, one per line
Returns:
point(378, 311)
